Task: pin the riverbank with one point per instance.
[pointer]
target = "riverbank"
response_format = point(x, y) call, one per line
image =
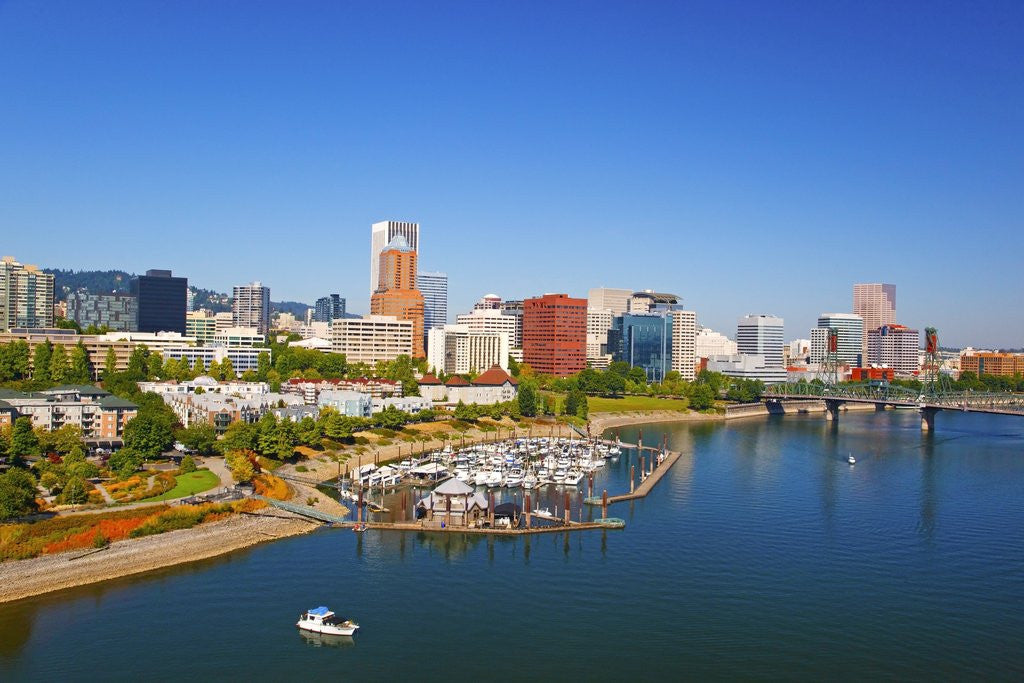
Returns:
point(48, 573)
point(601, 422)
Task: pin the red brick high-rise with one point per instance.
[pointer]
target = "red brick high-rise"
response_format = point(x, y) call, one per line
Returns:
point(555, 334)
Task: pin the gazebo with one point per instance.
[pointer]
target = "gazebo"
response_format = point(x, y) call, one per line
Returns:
point(453, 503)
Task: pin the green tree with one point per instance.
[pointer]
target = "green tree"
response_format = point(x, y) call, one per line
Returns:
point(148, 435)
point(239, 436)
point(41, 362)
point(59, 367)
point(274, 380)
point(571, 402)
point(268, 434)
point(287, 440)
point(67, 438)
point(137, 363)
point(17, 494)
point(263, 365)
point(24, 441)
point(250, 376)
point(74, 492)
point(81, 369)
point(241, 467)
point(702, 396)
point(110, 363)
point(49, 481)
point(527, 400)
point(83, 470)
point(199, 437)
point(125, 462)
point(155, 365)
point(199, 368)
point(227, 370)
point(188, 464)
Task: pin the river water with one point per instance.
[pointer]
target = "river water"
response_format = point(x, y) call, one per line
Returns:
point(762, 554)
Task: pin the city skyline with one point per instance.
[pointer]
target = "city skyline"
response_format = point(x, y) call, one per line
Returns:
point(764, 132)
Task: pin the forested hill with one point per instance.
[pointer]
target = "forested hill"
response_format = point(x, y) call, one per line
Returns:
point(119, 281)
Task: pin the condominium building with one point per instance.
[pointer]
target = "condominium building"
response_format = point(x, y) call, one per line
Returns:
point(114, 311)
point(162, 299)
point(310, 389)
point(221, 410)
point(208, 385)
point(239, 336)
point(348, 403)
point(250, 306)
point(242, 359)
point(849, 329)
point(493, 386)
point(992, 363)
point(606, 298)
point(599, 321)
point(555, 334)
point(896, 347)
point(434, 288)
point(26, 296)
point(396, 293)
point(99, 414)
point(328, 308)
point(684, 343)
point(372, 338)
point(381, 235)
point(494, 320)
point(455, 349)
point(747, 366)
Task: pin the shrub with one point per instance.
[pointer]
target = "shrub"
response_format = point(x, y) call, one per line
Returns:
point(100, 541)
point(188, 464)
point(75, 492)
point(271, 487)
point(301, 468)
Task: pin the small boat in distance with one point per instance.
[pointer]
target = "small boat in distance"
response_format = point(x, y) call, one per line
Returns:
point(850, 459)
point(322, 620)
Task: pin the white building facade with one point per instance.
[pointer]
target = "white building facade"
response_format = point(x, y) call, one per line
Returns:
point(493, 320)
point(372, 338)
point(849, 329)
point(250, 306)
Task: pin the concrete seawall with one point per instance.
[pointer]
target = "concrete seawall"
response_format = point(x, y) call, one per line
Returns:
point(735, 412)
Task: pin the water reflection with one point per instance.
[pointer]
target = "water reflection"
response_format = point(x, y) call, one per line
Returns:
point(326, 640)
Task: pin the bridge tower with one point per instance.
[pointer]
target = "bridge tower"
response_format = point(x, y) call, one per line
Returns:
point(934, 381)
point(828, 368)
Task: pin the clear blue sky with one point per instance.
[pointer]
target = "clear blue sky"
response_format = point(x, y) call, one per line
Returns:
point(751, 157)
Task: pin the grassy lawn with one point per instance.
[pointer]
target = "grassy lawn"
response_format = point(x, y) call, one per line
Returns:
point(189, 484)
point(625, 404)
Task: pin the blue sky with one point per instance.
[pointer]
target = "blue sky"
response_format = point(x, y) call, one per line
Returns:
point(751, 157)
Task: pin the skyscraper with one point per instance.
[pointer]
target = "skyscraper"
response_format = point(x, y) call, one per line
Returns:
point(875, 303)
point(555, 334)
point(381, 235)
point(250, 306)
point(759, 339)
point(162, 300)
point(396, 294)
point(606, 298)
point(434, 288)
point(328, 308)
point(26, 295)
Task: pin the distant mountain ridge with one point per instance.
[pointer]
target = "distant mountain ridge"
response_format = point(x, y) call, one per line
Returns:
point(119, 282)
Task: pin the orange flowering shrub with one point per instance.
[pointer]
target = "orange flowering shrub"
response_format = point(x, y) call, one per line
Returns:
point(110, 529)
point(271, 487)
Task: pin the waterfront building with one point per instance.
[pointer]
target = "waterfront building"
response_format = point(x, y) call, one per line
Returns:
point(310, 389)
point(434, 288)
point(372, 338)
point(684, 343)
point(709, 343)
point(381, 235)
point(491, 320)
point(456, 349)
point(221, 410)
point(26, 296)
point(609, 299)
point(161, 300)
point(896, 347)
point(114, 311)
point(396, 294)
point(407, 404)
point(239, 336)
point(849, 328)
point(348, 403)
point(992, 363)
point(202, 325)
point(644, 340)
point(747, 366)
point(242, 358)
point(99, 414)
point(555, 334)
point(328, 308)
point(250, 306)
point(453, 503)
point(493, 386)
point(208, 385)
point(761, 334)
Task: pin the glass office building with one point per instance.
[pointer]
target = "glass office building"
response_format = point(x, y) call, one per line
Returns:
point(161, 301)
point(644, 340)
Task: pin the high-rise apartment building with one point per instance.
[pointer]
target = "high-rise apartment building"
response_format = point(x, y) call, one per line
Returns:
point(396, 294)
point(599, 321)
point(162, 300)
point(555, 334)
point(118, 312)
point(434, 288)
point(492, 320)
point(250, 306)
point(328, 308)
point(26, 296)
point(759, 340)
point(849, 342)
point(896, 347)
point(606, 298)
point(372, 338)
point(381, 235)
point(455, 349)
point(684, 344)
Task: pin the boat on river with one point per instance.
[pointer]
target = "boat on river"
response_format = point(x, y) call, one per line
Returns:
point(322, 620)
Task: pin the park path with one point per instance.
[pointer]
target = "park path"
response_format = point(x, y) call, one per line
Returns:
point(109, 499)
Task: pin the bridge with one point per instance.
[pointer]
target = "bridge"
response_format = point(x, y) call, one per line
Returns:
point(928, 402)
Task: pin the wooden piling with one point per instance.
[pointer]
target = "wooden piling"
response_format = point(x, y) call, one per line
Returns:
point(604, 504)
point(359, 506)
point(528, 510)
point(490, 508)
point(632, 478)
point(643, 468)
point(567, 505)
point(590, 485)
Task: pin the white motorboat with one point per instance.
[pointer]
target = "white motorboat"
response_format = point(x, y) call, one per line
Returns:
point(493, 478)
point(530, 481)
point(852, 460)
point(480, 477)
point(514, 479)
point(322, 620)
point(559, 474)
point(573, 477)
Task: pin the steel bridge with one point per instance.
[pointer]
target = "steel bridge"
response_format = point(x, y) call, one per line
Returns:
point(928, 401)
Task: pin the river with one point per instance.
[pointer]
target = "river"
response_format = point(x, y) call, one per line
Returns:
point(762, 554)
